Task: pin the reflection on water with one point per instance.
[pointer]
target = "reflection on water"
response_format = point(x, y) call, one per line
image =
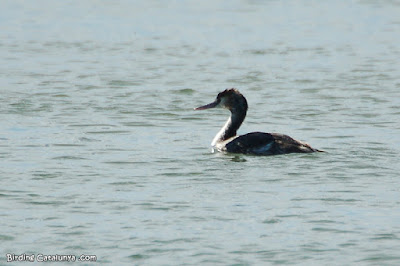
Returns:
point(103, 154)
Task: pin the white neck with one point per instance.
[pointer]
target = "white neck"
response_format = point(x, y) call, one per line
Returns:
point(221, 133)
point(229, 129)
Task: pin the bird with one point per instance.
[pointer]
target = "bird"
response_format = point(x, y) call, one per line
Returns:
point(255, 143)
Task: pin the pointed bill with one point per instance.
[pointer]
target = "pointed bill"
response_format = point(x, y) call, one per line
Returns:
point(207, 106)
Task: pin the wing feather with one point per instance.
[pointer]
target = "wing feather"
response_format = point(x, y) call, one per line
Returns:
point(261, 143)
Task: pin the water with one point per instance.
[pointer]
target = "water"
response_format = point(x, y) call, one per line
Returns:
point(102, 153)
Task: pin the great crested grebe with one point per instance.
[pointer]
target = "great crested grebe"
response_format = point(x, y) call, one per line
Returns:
point(257, 143)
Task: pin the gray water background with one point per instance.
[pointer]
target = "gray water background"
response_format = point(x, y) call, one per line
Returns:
point(101, 152)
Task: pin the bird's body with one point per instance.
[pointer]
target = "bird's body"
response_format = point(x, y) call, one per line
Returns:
point(257, 143)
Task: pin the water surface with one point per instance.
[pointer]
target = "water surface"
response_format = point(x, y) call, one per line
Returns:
point(102, 153)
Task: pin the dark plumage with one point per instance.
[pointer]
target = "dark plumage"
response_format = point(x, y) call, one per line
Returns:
point(257, 143)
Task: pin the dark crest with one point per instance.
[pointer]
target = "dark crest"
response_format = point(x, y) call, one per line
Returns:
point(233, 100)
point(228, 92)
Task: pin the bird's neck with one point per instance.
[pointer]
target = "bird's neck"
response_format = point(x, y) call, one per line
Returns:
point(231, 126)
